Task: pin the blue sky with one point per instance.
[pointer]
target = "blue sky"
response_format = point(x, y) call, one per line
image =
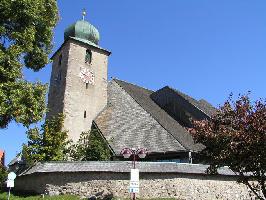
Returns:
point(206, 49)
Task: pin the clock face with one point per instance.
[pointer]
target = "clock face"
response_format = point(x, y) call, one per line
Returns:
point(87, 76)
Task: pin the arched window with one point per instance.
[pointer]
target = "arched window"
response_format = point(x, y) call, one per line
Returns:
point(88, 56)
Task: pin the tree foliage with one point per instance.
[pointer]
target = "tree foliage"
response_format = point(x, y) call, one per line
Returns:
point(3, 176)
point(236, 137)
point(48, 144)
point(25, 40)
point(90, 147)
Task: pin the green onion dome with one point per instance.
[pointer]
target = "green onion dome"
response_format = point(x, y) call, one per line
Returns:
point(83, 30)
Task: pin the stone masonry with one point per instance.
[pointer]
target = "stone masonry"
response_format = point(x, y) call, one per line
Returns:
point(70, 94)
point(157, 180)
point(152, 185)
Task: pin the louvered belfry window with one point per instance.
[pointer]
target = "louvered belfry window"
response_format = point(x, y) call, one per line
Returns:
point(88, 56)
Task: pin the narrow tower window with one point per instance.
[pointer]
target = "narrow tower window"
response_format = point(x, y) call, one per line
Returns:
point(60, 60)
point(88, 56)
point(85, 114)
point(60, 75)
point(87, 85)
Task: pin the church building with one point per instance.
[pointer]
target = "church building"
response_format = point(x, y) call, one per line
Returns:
point(125, 115)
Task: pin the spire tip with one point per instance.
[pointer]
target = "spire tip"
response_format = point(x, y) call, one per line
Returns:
point(83, 14)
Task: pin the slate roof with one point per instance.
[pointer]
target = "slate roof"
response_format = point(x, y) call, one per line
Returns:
point(201, 104)
point(16, 160)
point(126, 123)
point(133, 119)
point(121, 166)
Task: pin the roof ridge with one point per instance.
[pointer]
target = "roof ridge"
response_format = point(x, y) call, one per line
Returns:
point(116, 79)
point(177, 91)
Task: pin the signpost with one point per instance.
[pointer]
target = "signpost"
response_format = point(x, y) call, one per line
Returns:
point(10, 182)
point(134, 181)
point(134, 173)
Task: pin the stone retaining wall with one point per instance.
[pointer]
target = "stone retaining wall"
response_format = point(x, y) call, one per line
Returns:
point(152, 185)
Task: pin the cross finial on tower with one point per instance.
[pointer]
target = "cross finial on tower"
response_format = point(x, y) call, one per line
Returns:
point(83, 14)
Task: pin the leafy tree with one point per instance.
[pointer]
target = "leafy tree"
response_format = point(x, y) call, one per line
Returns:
point(25, 40)
point(236, 137)
point(3, 176)
point(48, 144)
point(91, 146)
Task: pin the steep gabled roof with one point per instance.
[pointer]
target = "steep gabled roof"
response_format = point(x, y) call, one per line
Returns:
point(181, 107)
point(133, 119)
point(18, 159)
point(201, 104)
point(142, 97)
point(125, 123)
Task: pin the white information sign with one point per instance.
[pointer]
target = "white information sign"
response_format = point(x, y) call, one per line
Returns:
point(134, 175)
point(134, 181)
point(10, 179)
point(134, 184)
point(10, 183)
point(134, 190)
point(11, 176)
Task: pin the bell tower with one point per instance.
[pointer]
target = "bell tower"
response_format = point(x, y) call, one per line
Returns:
point(78, 83)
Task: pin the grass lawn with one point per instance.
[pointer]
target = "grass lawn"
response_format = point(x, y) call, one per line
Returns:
point(3, 196)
